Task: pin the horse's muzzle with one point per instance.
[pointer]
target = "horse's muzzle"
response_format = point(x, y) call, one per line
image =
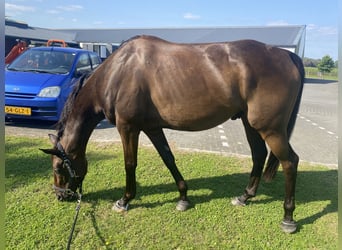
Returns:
point(65, 194)
point(66, 197)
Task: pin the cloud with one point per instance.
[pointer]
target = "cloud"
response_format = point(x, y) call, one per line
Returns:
point(311, 26)
point(322, 30)
point(98, 22)
point(328, 30)
point(277, 23)
point(18, 8)
point(53, 12)
point(191, 16)
point(67, 8)
point(321, 40)
point(70, 8)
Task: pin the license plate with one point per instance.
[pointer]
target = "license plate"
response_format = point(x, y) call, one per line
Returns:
point(17, 110)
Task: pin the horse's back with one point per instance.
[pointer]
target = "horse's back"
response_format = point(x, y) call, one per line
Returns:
point(197, 86)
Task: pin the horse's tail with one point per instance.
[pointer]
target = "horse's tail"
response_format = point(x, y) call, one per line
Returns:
point(273, 162)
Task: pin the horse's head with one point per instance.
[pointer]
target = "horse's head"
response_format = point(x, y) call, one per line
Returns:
point(69, 172)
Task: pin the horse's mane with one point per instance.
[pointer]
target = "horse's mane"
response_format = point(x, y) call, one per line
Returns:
point(60, 126)
point(128, 40)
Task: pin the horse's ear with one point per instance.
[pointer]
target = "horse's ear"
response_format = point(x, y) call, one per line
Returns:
point(54, 151)
point(50, 151)
point(53, 139)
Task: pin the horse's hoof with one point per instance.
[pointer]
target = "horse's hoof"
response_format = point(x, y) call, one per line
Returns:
point(288, 226)
point(182, 205)
point(237, 202)
point(119, 208)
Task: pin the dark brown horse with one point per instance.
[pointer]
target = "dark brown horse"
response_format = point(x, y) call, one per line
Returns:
point(149, 84)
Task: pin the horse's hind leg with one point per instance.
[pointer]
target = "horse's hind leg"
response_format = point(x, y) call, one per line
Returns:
point(160, 143)
point(259, 154)
point(289, 160)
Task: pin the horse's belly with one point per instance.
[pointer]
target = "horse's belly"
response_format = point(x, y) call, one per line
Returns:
point(190, 119)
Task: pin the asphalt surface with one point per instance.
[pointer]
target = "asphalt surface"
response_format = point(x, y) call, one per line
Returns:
point(314, 139)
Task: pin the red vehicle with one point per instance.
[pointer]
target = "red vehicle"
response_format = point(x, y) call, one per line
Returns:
point(16, 51)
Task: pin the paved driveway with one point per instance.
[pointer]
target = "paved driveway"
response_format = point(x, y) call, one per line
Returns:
point(314, 138)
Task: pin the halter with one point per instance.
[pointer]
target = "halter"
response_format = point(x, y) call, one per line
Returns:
point(72, 175)
point(68, 191)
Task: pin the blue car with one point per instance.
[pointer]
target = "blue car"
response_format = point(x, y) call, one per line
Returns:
point(38, 82)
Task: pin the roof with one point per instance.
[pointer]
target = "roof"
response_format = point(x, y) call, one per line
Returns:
point(22, 30)
point(62, 49)
point(285, 36)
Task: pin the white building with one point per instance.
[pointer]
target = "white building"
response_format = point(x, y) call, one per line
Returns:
point(105, 41)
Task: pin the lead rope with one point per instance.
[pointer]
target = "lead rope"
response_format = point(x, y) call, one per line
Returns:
point(78, 206)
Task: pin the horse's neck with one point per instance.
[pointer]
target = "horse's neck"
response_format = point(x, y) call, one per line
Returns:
point(75, 139)
point(83, 119)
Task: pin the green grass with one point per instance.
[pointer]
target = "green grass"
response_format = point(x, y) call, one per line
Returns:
point(36, 220)
point(312, 72)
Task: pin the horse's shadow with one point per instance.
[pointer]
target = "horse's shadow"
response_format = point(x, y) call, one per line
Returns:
point(312, 186)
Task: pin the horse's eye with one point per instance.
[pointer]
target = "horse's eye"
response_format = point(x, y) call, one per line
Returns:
point(57, 171)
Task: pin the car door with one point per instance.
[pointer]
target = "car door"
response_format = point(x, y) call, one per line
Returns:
point(83, 65)
point(95, 60)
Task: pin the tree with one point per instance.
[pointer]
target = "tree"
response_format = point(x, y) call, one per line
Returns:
point(326, 64)
point(310, 62)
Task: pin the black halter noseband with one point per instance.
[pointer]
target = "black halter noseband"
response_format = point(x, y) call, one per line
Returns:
point(72, 175)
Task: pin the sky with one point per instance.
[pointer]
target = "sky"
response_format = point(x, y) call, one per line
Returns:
point(320, 17)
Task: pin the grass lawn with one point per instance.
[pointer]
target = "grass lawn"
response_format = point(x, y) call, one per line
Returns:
point(313, 72)
point(36, 220)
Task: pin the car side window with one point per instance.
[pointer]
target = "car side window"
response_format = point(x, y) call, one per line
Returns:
point(83, 64)
point(95, 60)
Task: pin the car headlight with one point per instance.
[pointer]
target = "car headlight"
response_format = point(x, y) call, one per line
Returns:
point(50, 92)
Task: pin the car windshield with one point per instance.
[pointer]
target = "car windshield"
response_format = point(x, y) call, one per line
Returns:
point(42, 61)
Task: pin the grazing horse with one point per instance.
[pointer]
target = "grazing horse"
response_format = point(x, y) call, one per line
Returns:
point(149, 84)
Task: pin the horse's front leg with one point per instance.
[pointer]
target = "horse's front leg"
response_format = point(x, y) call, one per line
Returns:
point(129, 138)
